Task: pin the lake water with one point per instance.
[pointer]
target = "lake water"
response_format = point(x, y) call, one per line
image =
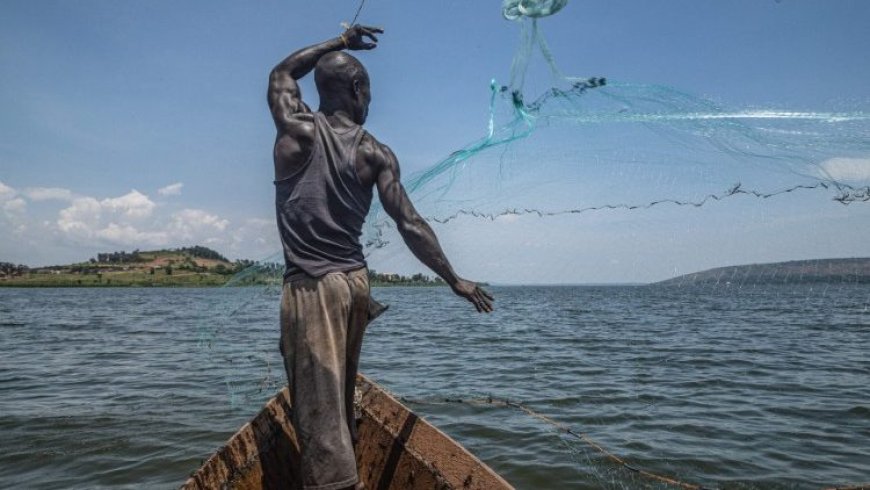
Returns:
point(731, 387)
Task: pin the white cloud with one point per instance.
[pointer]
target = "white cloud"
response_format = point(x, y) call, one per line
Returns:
point(129, 235)
point(255, 238)
point(81, 217)
point(49, 194)
point(120, 220)
point(171, 189)
point(14, 206)
point(190, 223)
point(75, 223)
point(134, 204)
point(847, 169)
point(6, 192)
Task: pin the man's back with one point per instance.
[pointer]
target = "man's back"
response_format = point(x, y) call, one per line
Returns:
point(321, 204)
point(294, 145)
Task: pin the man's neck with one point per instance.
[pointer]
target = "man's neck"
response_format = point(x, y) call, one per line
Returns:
point(339, 118)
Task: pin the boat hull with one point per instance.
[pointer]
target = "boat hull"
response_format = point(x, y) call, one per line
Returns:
point(396, 450)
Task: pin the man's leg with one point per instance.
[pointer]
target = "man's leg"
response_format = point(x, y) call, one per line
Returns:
point(315, 315)
point(358, 282)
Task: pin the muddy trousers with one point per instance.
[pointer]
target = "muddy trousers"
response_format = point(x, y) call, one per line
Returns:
point(323, 320)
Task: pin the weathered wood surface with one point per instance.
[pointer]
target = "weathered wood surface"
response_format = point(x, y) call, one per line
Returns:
point(396, 450)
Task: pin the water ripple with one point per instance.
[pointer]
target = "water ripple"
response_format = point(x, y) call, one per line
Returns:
point(729, 387)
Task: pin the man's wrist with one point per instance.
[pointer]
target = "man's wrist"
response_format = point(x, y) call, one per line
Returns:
point(451, 279)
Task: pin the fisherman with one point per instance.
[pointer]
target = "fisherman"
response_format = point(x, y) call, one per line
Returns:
point(325, 168)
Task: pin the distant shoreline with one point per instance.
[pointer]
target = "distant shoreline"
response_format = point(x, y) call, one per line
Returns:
point(11, 285)
point(189, 280)
point(46, 285)
point(187, 267)
point(198, 267)
point(849, 270)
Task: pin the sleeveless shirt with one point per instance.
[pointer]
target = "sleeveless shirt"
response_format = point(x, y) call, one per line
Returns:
point(321, 206)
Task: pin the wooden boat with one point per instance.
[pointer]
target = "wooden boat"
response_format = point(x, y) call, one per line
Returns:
point(396, 450)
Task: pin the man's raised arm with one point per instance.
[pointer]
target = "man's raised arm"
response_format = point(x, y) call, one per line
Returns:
point(417, 234)
point(285, 98)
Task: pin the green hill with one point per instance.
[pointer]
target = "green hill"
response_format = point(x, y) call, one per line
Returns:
point(189, 266)
point(854, 270)
point(195, 266)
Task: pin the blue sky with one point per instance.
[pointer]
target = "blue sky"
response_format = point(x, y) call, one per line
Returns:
point(142, 124)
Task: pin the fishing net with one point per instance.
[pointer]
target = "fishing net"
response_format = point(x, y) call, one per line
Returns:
point(630, 167)
point(561, 145)
point(240, 341)
point(588, 158)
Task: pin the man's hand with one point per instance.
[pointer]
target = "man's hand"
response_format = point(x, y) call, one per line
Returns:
point(418, 235)
point(353, 37)
point(475, 294)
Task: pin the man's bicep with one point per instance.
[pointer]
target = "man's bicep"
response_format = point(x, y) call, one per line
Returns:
point(285, 98)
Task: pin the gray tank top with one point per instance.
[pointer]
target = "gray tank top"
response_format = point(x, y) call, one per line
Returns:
point(322, 206)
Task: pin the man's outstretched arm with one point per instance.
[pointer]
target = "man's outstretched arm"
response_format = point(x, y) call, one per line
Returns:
point(418, 235)
point(285, 98)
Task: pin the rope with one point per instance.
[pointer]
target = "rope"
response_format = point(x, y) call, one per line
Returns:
point(358, 10)
point(496, 402)
point(612, 457)
point(564, 428)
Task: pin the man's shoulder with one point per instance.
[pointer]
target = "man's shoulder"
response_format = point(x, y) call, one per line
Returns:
point(369, 140)
point(373, 150)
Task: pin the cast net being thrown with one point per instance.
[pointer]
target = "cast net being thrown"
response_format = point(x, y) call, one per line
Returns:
point(590, 143)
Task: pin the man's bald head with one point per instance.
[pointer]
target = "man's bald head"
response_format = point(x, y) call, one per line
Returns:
point(337, 75)
point(343, 84)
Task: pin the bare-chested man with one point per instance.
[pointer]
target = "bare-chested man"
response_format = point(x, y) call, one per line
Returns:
point(325, 168)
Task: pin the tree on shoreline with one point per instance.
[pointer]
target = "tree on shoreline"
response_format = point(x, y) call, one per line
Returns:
point(389, 278)
point(11, 270)
point(203, 253)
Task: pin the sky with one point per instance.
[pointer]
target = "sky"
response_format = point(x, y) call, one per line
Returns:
point(131, 124)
